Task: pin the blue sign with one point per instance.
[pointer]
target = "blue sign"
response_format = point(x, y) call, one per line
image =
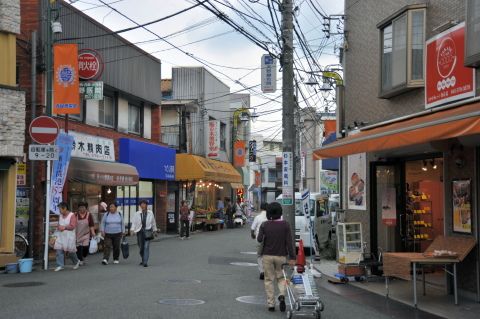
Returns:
point(152, 161)
point(60, 169)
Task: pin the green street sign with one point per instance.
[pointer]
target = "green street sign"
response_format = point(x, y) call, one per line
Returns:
point(287, 201)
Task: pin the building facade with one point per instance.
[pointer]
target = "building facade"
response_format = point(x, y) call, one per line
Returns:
point(410, 166)
point(115, 130)
point(12, 127)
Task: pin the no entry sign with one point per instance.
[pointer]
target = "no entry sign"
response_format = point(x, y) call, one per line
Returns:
point(44, 130)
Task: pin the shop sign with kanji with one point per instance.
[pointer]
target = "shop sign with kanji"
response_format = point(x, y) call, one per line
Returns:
point(91, 90)
point(92, 147)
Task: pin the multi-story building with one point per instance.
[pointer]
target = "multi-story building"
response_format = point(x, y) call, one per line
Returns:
point(117, 133)
point(410, 130)
point(12, 127)
point(198, 122)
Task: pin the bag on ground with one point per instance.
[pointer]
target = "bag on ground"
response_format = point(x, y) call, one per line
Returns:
point(93, 248)
point(125, 248)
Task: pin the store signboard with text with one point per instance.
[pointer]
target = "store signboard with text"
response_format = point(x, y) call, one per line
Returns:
point(446, 78)
point(287, 178)
point(328, 182)
point(92, 147)
point(269, 74)
point(213, 139)
point(92, 90)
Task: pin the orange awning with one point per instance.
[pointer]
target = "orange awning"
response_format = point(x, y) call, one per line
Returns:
point(192, 167)
point(441, 125)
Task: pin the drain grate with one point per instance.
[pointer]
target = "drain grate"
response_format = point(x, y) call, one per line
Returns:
point(253, 300)
point(181, 302)
point(24, 284)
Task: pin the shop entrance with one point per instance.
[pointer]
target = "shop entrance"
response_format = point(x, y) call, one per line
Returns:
point(407, 204)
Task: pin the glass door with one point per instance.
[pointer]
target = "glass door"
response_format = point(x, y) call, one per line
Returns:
point(387, 224)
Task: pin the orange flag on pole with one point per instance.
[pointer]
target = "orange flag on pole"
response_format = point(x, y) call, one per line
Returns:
point(66, 92)
point(239, 154)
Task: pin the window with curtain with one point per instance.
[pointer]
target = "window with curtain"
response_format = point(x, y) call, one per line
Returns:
point(402, 47)
point(134, 120)
point(106, 112)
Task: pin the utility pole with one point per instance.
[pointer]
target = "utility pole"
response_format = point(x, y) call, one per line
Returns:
point(288, 114)
point(33, 109)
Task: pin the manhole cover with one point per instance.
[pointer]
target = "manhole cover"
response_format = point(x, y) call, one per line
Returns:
point(244, 264)
point(254, 300)
point(184, 281)
point(181, 302)
point(248, 252)
point(24, 284)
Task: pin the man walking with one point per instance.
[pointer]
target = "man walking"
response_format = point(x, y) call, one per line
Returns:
point(257, 222)
point(184, 220)
point(276, 236)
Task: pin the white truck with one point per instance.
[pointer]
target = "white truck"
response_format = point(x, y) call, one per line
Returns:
point(319, 218)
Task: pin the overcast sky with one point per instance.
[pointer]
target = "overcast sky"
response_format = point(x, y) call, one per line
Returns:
point(226, 50)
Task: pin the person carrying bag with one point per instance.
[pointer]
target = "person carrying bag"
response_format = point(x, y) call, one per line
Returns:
point(145, 227)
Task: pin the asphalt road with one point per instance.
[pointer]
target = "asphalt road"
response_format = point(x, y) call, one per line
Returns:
point(199, 268)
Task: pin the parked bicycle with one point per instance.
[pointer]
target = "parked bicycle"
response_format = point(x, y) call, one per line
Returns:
point(21, 245)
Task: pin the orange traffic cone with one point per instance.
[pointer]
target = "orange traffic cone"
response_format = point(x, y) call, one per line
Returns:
point(300, 258)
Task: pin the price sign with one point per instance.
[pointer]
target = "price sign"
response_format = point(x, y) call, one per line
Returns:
point(43, 152)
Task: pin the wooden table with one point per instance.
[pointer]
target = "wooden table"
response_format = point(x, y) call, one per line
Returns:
point(399, 264)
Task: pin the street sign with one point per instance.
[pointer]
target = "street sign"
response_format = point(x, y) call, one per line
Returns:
point(287, 178)
point(252, 151)
point(43, 152)
point(44, 130)
point(269, 74)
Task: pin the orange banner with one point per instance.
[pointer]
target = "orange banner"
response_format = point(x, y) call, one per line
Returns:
point(239, 154)
point(330, 127)
point(258, 178)
point(66, 92)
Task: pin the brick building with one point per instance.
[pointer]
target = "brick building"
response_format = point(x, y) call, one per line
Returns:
point(125, 117)
point(410, 143)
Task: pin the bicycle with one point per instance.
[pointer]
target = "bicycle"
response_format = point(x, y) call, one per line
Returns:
point(21, 246)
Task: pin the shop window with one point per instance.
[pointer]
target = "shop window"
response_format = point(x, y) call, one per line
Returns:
point(223, 136)
point(272, 175)
point(134, 119)
point(263, 176)
point(106, 111)
point(402, 47)
point(472, 34)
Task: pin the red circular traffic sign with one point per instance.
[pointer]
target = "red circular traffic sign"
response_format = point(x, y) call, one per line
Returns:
point(44, 130)
point(90, 64)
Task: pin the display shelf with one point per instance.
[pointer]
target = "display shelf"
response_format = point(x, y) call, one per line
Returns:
point(350, 242)
point(419, 221)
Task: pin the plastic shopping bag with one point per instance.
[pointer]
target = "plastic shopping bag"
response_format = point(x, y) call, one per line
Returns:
point(93, 246)
point(125, 248)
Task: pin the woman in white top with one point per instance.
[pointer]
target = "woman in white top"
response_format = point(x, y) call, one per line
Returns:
point(66, 241)
point(144, 226)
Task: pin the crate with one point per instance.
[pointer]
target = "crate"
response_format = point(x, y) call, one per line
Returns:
point(351, 270)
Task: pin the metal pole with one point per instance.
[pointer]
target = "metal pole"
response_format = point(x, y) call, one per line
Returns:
point(33, 104)
point(47, 216)
point(288, 100)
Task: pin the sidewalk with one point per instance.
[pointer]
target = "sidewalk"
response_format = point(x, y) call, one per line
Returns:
point(436, 301)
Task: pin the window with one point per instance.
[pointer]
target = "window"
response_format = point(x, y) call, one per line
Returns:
point(134, 120)
point(223, 136)
point(263, 175)
point(272, 175)
point(77, 117)
point(403, 42)
point(472, 34)
point(272, 146)
point(106, 111)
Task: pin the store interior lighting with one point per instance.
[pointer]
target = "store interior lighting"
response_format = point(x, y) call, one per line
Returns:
point(424, 167)
point(434, 165)
point(109, 191)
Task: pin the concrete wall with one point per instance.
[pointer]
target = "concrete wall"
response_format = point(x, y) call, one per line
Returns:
point(10, 16)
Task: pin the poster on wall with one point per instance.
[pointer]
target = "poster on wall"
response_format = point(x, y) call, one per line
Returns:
point(462, 206)
point(357, 172)
point(213, 139)
point(22, 210)
point(328, 182)
point(389, 207)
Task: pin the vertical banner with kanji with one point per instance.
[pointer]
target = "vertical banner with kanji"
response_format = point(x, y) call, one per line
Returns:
point(213, 139)
point(66, 96)
point(239, 154)
point(60, 169)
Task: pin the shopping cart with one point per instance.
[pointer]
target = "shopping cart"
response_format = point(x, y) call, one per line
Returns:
point(302, 293)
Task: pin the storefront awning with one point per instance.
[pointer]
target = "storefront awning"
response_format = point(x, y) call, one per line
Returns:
point(102, 173)
point(236, 185)
point(441, 125)
point(193, 167)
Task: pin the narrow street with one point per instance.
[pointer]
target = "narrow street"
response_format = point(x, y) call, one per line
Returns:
point(199, 268)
